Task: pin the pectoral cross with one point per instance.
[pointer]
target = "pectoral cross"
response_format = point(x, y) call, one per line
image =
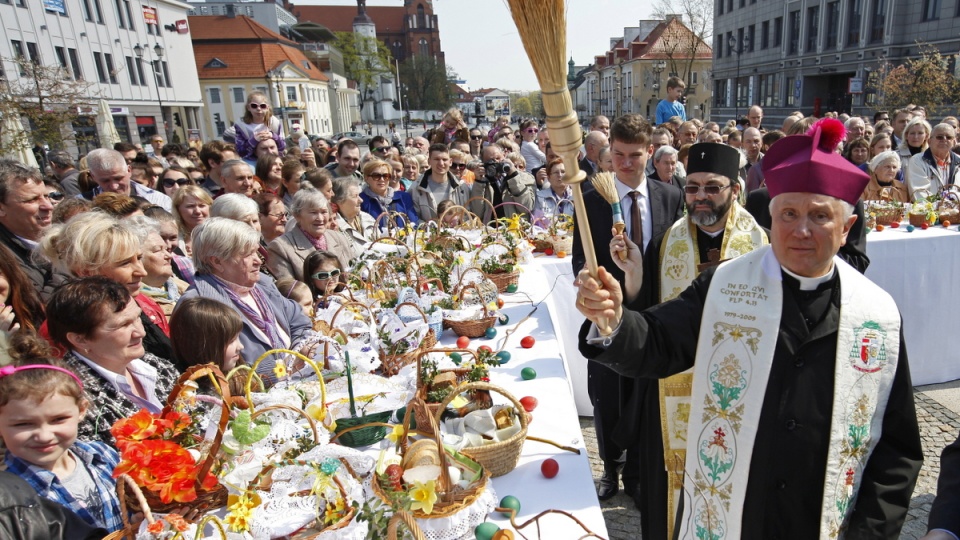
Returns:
point(713, 259)
point(703, 155)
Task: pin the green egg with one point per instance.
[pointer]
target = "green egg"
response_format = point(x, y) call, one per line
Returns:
point(512, 288)
point(504, 319)
point(528, 373)
point(510, 502)
point(491, 333)
point(486, 530)
point(456, 358)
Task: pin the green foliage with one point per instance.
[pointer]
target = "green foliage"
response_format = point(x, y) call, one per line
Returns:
point(924, 81)
point(48, 100)
point(364, 59)
point(522, 107)
point(426, 83)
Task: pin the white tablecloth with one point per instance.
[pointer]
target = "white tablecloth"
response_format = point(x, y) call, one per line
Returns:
point(917, 270)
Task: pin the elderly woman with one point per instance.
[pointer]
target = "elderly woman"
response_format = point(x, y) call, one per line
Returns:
point(273, 216)
point(351, 221)
point(100, 326)
point(311, 210)
point(550, 197)
point(378, 197)
point(936, 167)
point(159, 283)
point(884, 184)
point(916, 138)
point(237, 207)
point(94, 243)
point(228, 270)
point(191, 205)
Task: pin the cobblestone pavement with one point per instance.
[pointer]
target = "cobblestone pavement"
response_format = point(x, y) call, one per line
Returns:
point(938, 428)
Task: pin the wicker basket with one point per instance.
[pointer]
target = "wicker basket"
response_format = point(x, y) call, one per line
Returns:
point(501, 457)
point(504, 280)
point(130, 530)
point(885, 215)
point(474, 328)
point(391, 364)
point(422, 410)
point(353, 431)
point(217, 496)
point(248, 391)
point(917, 220)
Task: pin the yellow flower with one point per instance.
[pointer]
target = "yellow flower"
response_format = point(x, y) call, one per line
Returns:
point(240, 511)
point(280, 370)
point(334, 512)
point(423, 496)
point(396, 434)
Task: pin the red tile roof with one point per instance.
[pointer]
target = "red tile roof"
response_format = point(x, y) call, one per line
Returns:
point(389, 19)
point(248, 49)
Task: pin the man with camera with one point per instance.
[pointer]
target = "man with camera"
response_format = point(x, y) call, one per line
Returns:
point(501, 183)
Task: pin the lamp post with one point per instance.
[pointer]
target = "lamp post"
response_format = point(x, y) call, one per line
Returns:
point(619, 87)
point(399, 94)
point(737, 46)
point(158, 51)
point(595, 94)
point(276, 77)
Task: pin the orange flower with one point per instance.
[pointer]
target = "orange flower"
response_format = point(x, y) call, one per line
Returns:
point(136, 428)
point(177, 521)
point(156, 527)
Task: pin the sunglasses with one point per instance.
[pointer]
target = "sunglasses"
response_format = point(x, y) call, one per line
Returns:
point(476, 137)
point(944, 137)
point(532, 130)
point(459, 166)
point(382, 149)
point(326, 275)
point(263, 106)
point(380, 176)
point(709, 190)
point(55, 195)
point(169, 182)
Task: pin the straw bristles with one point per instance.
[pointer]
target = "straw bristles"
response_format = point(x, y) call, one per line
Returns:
point(604, 184)
point(543, 30)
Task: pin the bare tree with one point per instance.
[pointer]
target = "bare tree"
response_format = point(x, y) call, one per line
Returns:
point(682, 43)
point(50, 100)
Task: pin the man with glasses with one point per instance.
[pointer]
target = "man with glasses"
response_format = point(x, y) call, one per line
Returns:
point(112, 174)
point(937, 167)
point(438, 184)
point(65, 170)
point(348, 160)
point(379, 146)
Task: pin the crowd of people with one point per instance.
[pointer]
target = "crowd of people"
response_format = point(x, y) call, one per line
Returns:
point(122, 269)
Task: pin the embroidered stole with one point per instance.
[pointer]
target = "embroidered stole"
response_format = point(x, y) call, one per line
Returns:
point(679, 259)
point(738, 336)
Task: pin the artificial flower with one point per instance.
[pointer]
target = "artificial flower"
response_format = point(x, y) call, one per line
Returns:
point(424, 496)
point(396, 434)
point(334, 512)
point(240, 511)
point(280, 370)
point(177, 522)
point(156, 527)
point(138, 427)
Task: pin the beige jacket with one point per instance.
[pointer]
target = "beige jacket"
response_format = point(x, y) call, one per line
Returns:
point(287, 253)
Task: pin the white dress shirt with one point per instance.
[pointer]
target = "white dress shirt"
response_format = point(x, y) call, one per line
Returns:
point(626, 206)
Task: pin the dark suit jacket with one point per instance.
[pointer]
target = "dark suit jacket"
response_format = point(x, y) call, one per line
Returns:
point(854, 251)
point(945, 513)
point(44, 279)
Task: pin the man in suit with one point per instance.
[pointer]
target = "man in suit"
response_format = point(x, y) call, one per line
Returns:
point(944, 522)
point(658, 205)
point(594, 142)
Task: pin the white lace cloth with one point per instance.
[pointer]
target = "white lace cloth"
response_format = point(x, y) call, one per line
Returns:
point(372, 394)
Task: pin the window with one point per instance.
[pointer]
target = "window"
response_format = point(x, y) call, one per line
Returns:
point(751, 37)
point(777, 31)
point(111, 73)
point(132, 72)
point(143, 80)
point(291, 93)
point(18, 55)
point(33, 52)
point(157, 72)
point(741, 45)
point(720, 8)
point(424, 49)
point(729, 6)
point(61, 58)
point(238, 96)
point(742, 91)
point(764, 34)
point(743, 3)
point(129, 12)
point(853, 27)
point(879, 20)
point(769, 90)
point(99, 11)
point(813, 28)
point(794, 44)
point(214, 95)
point(166, 74)
point(98, 63)
point(791, 96)
point(720, 48)
point(75, 64)
point(931, 10)
point(87, 13)
point(833, 25)
point(119, 13)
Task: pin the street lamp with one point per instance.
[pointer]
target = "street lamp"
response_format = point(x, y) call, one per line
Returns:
point(276, 76)
point(737, 46)
point(596, 96)
point(158, 51)
point(619, 87)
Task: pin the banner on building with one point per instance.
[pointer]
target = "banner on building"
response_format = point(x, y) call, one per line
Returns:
point(56, 6)
point(150, 16)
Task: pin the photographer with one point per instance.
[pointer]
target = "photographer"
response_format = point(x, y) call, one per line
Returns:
point(501, 183)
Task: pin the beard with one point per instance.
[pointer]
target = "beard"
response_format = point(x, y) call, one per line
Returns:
point(707, 218)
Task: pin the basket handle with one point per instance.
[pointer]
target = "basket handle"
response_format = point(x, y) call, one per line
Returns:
point(401, 516)
point(336, 314)
point(298, 410)
point(414, 306)
point(435, 281)
point(307, 361)
point(217, 524)
point(124, 482)
point(486, 202)
point(521, 412)
point(425, 352)
point(473, 286)
point(220, 384)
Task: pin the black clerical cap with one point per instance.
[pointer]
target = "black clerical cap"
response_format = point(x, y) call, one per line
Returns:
point(714, 158)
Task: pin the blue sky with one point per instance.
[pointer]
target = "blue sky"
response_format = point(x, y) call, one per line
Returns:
point(482, 44)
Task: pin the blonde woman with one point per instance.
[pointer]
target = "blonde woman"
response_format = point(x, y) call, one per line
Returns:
point(191, 205)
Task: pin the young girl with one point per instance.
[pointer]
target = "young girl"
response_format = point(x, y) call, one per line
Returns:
point(322, 272)
point(205, 331)
point(298, 292)
point(41, 404)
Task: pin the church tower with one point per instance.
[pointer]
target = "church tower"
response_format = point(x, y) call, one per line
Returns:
point(377, 98)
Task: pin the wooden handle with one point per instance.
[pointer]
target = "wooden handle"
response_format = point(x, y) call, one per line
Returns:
point(586, 239)
point(620, 227)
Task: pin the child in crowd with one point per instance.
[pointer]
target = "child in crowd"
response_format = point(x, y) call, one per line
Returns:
point(322, 272)
point(671, 106)
point(41, 404)
point(298, 292)
point(452, 219)
point(206, 331)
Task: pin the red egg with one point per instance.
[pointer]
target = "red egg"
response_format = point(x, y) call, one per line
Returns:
point(463, 342)
point(895, 225)
point(550, 468)
point(924, 225)
point(485, 349)
point(529, 403)
point(527, 342)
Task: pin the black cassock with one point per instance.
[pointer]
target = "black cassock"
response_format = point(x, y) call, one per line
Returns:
point(785, 487)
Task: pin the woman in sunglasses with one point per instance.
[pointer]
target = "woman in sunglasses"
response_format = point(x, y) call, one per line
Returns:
point(378, 197)
point(323, 274)
point(258, 123)
point(172, 180)
point(528, 145)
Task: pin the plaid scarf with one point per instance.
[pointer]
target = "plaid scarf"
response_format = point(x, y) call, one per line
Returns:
point(262, 317)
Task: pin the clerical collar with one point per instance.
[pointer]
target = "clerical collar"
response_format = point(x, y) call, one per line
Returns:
point(808, 283)
point(711, 234)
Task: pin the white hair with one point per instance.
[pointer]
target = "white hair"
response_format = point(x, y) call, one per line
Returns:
point(228, 166)
point(221, 238)
point(884, 157)
point(665, 149)
point(235, 206)
point(845, 207)
point(306, 199)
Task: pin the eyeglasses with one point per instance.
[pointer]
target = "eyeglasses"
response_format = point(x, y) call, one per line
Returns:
point(459, 166)
point(944, 137)
point(169, 182)
point(476, 137)
point(532, 130)
point(709, 190)
point(282, 216)
point(55, 195)
point(263, 106)
point(380, 176)
point(326, 275)
point(382, 149)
